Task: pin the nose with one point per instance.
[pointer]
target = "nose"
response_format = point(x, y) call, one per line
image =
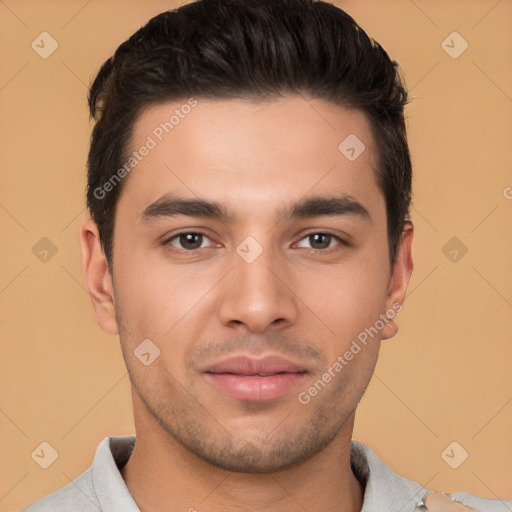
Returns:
point(256, 296)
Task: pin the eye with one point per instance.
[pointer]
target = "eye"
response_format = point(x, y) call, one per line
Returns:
point(320, 241)
point(189, 241)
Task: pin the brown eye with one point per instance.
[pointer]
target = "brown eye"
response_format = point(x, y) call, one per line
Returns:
point(319, 241)
point(188, 241)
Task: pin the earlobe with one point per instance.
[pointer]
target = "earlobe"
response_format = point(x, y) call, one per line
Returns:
point(98, 278)
point(400, 276)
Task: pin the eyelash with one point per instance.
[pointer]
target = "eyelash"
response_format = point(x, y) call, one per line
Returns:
point(168, 243)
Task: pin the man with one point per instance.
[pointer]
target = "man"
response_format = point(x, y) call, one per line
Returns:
point(249, 184)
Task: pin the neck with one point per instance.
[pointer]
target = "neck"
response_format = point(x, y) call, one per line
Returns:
point(164, 476)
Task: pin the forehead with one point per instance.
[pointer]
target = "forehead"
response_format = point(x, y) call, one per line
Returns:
point(265, 152)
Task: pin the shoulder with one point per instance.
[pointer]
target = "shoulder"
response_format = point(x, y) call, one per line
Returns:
point(101, 487)
point(386, 491)
point(478, 504)
point(78, 496)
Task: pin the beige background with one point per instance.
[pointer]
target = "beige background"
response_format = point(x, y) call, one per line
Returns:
point(446, 376)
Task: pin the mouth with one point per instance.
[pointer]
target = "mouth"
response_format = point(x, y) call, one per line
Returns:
point(256, 380)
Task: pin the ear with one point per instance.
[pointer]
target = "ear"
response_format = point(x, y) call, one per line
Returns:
point(98, 278)
point(400, 275)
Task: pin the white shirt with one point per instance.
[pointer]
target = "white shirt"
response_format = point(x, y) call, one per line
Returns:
point(102, 488)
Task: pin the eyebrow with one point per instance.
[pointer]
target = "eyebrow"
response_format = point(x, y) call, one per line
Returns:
point(330, 206)
point(170, 206)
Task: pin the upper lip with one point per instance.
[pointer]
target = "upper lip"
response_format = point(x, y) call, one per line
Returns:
point(246, 365)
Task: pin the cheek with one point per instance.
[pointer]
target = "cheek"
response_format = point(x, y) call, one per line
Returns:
point(145, 302)
point(346, 298)
point(350, 307)
point(162, 302)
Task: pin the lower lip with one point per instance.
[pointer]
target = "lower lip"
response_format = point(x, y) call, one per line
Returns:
point(255, 388)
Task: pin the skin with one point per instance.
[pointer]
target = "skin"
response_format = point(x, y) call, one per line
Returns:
point(303, 299)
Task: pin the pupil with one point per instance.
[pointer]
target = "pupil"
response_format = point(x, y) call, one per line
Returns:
point(320, 241)
point(191, 240)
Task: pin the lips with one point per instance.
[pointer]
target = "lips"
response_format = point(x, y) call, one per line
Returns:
point(248, 378)
point(243, 365)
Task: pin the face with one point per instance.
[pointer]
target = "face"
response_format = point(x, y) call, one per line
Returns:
point(252, 253)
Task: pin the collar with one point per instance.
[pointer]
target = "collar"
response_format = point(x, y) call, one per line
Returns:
point(384, 490)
